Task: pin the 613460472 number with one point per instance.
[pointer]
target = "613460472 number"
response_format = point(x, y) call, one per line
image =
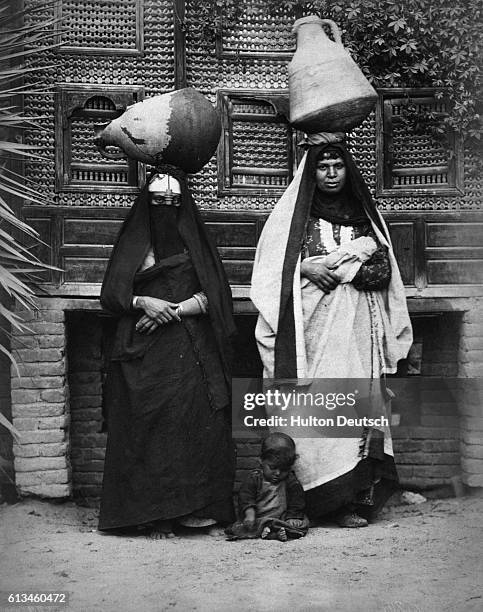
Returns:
point(47, 598)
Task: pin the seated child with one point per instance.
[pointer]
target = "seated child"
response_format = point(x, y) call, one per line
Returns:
point(271, 500)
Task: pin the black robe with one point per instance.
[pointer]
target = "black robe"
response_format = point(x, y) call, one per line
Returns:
point(169, 451)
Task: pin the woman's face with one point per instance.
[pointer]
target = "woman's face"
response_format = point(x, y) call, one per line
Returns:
point(162, 198)
point(330, 174)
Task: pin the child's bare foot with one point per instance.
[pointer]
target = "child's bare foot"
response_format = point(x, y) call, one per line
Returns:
point(268, 534)
point(282, 535)
point(161, 530)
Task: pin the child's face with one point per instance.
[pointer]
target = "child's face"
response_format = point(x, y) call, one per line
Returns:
point(272, 473)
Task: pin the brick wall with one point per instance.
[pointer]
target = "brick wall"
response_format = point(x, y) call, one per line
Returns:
point(88, 442)
point(62, 448)
point(427, 443)
point(40, 400)
point(470, 369)
point(39, 404)
point(6, 451)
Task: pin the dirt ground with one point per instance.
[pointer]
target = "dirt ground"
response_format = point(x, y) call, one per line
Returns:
point(415, 558)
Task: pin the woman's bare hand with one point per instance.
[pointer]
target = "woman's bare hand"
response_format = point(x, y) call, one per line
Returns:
point(320, 274)
point(146, 325)
point(160, 311)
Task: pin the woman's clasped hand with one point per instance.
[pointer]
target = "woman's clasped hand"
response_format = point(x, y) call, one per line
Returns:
point(157, 312)
point(321, 275)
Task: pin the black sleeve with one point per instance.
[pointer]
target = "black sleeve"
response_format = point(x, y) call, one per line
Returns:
point(375, 273)
point(247, 495)
point(295, 498)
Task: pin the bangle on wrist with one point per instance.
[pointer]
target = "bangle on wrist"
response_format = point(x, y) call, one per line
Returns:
point(202, 301)
point(179, 310)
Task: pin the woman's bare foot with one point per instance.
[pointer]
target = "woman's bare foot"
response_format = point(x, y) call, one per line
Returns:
point(351, 520)
point(161, 530)
point(216, 531)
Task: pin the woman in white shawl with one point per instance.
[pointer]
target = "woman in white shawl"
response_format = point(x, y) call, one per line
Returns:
point(332, 305)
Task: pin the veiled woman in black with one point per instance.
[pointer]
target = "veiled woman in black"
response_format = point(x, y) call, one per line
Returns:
point(170, 456)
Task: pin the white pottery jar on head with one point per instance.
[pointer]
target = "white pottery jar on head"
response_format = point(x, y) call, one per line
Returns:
point(328, 92)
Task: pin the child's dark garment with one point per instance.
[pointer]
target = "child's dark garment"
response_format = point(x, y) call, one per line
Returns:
point(277, 505)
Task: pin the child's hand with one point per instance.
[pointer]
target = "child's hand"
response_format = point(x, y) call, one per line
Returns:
point(249, 520)
point(249, 523)
point(295, 523)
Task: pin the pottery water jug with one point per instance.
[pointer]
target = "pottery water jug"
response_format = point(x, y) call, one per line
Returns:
point(180, 128)
point(327, 90)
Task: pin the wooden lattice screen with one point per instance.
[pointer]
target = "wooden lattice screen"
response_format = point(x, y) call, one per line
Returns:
point(273, 38)
point(409, 160)
point(256, 154)
point(80, 166)
point(101, 27)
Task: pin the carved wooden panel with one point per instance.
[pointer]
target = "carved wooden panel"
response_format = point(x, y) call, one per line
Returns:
point(80, 165)
point(84, 269)
point(43, 248)
point(458, 272)
point(462, 234)
point(454, 252)
point(101, 27)
point(91, 231)
point(409, 162)
point(438, 256)
point(236, 236)
point(403, 242)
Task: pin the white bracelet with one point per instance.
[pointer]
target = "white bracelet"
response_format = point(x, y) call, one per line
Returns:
point(135, 301)
point(202, 300)
point(179, 310)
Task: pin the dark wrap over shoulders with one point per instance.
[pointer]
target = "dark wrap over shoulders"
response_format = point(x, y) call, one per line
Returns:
point(169, 452)
point(131, 248)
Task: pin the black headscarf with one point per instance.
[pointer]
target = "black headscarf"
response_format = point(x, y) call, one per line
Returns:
point(133, 243)
point(308, 203)
point(343, 208)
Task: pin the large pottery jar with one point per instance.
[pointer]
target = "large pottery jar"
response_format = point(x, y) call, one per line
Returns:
point(180, 128)
point(327, 90)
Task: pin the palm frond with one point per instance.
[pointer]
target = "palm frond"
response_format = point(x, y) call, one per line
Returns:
point(5, 422)
point(20, 40)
